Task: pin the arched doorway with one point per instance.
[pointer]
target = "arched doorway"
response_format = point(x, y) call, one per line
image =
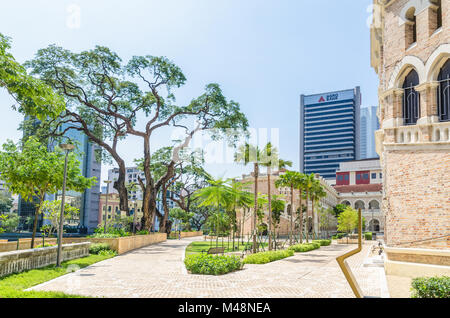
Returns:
point(374, 225)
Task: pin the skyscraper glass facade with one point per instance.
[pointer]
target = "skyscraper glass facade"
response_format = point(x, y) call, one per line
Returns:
point(329, 131)
point(369, 124)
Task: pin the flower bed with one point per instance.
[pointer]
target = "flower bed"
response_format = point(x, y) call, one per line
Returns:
point(267, 257)
point(205, 264)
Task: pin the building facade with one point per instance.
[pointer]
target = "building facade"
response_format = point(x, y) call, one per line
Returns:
point(369, 125)
point(359, 184)
point(245, 217)
point(329, 131)
point(410, 42)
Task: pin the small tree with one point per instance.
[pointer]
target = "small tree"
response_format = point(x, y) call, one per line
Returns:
point(9, 222)
point(52, 211)
point(6, 202)
point(347, 221)
point(34, 171)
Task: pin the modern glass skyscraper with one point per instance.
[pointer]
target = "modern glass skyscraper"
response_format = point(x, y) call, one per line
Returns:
point(369, 124)
point(329, 131)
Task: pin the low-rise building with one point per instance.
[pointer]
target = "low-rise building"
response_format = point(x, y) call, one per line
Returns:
point(359, 184)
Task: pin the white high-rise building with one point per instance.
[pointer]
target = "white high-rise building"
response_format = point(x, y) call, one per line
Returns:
point(369, 124)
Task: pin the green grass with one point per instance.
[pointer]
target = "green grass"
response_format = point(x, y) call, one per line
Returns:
point(12, 286)
point(198, 247)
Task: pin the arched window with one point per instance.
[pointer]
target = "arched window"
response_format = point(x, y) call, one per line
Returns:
point(374, 205)
point(411, 27)
point(444, 93)
point(360, 205)
point(411, 104)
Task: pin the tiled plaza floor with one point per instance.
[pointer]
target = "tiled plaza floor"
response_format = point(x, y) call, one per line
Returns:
point(158, 271)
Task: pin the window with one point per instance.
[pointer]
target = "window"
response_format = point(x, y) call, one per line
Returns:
point(410, 27)
point(411, 102)
point(381, 176)
point(444, 93)
point(374, 175)
point(358, 177)
point(366, 176)
point(438, 16)
point(346, 177)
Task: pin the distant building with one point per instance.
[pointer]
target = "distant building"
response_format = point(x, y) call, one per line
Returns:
point(359, 184)
point(369, 125)
point(329, 131)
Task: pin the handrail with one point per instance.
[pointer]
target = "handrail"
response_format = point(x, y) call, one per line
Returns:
point(343, 263)
point(420, 241)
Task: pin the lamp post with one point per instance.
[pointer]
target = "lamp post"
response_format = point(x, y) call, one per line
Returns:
point(134, 216)
point(67, 148)
point(107, 182)
point(373, 222)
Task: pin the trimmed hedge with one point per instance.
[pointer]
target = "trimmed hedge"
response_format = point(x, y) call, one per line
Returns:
point(323, 242)
point(368, 236)
point(205, 264)
point(302, 248)
point(96, 248)
point(434, 287)
point(267, 257)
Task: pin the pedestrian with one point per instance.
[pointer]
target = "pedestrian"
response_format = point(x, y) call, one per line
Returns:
point(179, 234)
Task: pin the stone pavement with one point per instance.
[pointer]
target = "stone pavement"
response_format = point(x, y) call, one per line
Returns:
point(158, 271)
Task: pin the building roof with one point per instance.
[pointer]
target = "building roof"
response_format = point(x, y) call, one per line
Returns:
point(359, 188)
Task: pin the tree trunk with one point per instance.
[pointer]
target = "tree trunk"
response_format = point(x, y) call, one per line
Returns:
point(269, 171)
point(292, 209)
point(163, 223)
point(256, 172)
point(36, 217)
point(301, 216)
point(313, 218)
point(119, 185)
point(307, 216)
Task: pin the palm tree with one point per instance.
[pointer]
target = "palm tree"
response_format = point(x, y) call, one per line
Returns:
point(217, 195)
point(308, 184)
point(300, 182)
point(271, 160)
point(239, 199)
point(251, 154)
point(317, 193)
point(289, 179)
point(278, 205)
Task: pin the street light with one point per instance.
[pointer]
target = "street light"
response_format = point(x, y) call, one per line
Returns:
point(134, 216)
point(106, 207)
point(67, 148)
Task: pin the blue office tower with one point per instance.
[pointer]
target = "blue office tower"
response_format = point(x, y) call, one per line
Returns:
point(329, 131)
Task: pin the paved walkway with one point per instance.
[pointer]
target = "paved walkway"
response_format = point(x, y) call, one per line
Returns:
point(158, 271)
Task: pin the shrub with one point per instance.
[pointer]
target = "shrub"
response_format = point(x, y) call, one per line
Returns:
point(323, 242)
point(339, 236)
point(267, 257)
point(368, 236)
point(434, 287)
point(107, 253)
point(143, 232)
point(102, 235)
point(96, 248)
point(302, 248)
point(205, 264)
point(45, 245)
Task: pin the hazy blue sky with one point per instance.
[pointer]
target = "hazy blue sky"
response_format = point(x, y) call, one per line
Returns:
point(263, 53)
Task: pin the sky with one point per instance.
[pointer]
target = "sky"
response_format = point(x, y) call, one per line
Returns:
point(263, 53)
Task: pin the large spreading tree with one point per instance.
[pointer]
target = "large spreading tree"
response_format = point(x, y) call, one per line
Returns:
point(106, 98)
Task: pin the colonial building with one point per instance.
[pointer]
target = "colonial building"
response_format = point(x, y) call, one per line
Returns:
point(359, 185)
point(410, 42)
point(245, 217)
point(113, 208)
